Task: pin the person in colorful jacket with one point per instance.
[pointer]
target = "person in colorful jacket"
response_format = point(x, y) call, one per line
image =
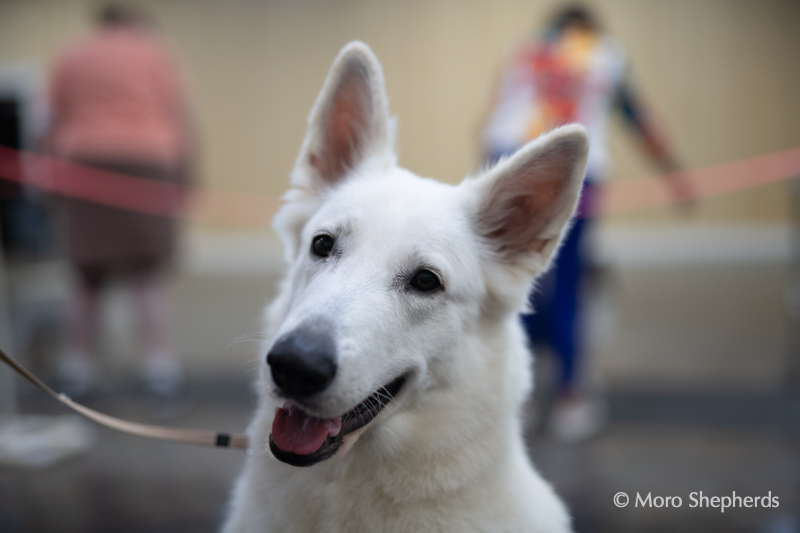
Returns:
point(573, 72)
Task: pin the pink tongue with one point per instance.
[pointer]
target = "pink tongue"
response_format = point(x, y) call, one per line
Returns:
point(296, 432)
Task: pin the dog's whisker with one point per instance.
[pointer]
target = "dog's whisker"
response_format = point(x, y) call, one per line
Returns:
point(257, 336)
point(248, 367)
point(389, 397)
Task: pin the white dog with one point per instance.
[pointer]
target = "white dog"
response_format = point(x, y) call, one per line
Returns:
point(396, 364)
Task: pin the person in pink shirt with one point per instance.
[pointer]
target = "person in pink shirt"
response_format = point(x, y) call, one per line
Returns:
point(117, 104)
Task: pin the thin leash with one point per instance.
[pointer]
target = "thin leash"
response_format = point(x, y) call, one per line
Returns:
point(184, 436)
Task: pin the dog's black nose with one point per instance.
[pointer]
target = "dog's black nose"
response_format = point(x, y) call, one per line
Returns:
point(303, 362)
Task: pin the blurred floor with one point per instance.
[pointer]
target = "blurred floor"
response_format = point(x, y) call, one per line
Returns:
point(676, 459)
point(691, 359)
point(694, 328)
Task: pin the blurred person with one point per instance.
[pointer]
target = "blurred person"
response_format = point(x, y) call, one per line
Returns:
point(117, 105)
point(573, 72)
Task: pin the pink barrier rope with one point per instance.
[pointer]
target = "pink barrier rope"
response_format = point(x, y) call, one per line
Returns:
point(643, 193)
point(63, 178)
point(71, 180)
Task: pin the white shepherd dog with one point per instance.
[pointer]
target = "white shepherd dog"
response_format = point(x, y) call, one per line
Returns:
point(395, 361)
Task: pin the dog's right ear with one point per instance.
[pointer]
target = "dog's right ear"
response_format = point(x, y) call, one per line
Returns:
point(526, 201)
point(349, 122)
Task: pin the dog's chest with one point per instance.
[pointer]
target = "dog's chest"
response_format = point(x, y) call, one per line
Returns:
point(307, 506)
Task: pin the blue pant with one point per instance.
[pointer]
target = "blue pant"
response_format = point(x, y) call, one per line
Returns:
point(556, 304)
point(556, 298)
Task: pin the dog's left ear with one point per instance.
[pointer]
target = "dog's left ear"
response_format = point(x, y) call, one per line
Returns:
point(526, 201)
point(349, 122)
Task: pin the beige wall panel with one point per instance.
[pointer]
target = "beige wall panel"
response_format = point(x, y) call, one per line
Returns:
point(722, 76)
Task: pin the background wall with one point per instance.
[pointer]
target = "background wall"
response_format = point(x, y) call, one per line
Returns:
point(722, 76)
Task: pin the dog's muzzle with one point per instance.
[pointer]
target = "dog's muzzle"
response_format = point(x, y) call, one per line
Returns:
point(303, 364)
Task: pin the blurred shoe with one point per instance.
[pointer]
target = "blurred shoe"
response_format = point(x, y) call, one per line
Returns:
point(76, 374)
point(163, 375)
point(575, 420)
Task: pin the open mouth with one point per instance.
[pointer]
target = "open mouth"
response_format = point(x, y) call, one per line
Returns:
point(299, 439)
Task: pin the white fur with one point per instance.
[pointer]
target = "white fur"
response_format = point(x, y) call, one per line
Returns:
point(447, 454)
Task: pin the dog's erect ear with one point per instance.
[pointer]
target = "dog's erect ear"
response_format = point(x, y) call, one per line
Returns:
point(526, 201)
point(349, 121)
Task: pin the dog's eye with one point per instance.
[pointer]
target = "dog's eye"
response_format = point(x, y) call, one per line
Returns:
point(322, 245)
point(425, 281)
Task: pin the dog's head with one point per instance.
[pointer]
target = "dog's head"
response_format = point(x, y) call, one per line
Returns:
point(392, 275)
